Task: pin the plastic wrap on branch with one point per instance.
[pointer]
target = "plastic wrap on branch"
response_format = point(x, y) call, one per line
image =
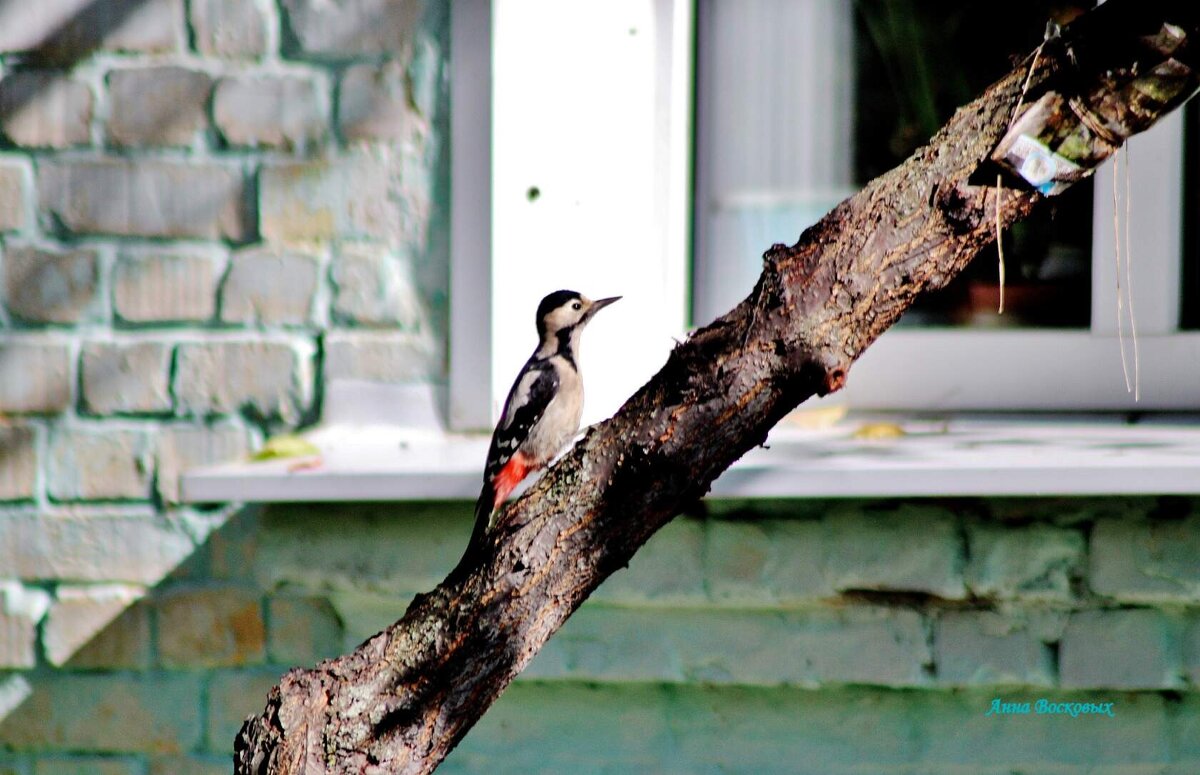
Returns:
point(1059, 138)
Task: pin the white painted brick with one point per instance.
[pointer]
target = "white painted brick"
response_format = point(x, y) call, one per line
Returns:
point(37, 375)
point(124, 642)
point(18, 461)
point(147, 198)
point(911, 549)
point(183, 447)
point(1138, 561)
point(158, 105)
point(99, 463)
point(271, 111)
point(373, 286)
point(80, 613)
point(63, 28)
point(106, 545)
point(21, 608)
point(15, 194)
point(270, 287)
point(18, 641)
point(353, 196)
point(271, 378)
point(1035, 562)
point(983, 648)
point(352, 27)
point(380, 356)
point(45, 110)
point(425, 72)
point(126, 377)
point(232, 28)
point(48, 285)
point(1121, 649)
point(155, 287)
point(373, 104)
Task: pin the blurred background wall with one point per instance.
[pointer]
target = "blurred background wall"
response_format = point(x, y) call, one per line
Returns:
point(211, 208)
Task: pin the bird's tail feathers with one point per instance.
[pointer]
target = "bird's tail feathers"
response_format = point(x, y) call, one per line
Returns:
point(483, 515)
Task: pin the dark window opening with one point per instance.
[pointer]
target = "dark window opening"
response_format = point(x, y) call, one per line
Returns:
point(1190, 318)
point(917, 61)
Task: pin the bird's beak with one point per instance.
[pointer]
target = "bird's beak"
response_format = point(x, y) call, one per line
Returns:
point(600, 304)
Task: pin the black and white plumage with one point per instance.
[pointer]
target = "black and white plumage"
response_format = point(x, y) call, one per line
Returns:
point(527, 402)
point(541, 414)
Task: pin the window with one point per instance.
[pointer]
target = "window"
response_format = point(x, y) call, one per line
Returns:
point(563, 119)
point(776, 147)
point(862, 86)
point(590, 122)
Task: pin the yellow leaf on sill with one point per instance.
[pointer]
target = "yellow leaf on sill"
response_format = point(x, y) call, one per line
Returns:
point(286, 446)
point(816, 419)
point(879, 430)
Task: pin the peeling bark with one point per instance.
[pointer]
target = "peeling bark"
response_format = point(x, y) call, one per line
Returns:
point(405, 698)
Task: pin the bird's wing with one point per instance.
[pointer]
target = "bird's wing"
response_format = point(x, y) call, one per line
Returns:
point(527, 401)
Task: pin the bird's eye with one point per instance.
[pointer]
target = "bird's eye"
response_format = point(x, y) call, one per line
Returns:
point(576, 306)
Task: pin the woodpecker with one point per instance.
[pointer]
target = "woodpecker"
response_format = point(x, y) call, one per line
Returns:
point(541, 413)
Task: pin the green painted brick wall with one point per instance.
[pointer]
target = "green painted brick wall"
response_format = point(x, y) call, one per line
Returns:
point(738, 640)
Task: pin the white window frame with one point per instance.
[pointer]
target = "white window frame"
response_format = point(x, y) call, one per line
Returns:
point(470, 356)
point(939, 369)
point(600, 125)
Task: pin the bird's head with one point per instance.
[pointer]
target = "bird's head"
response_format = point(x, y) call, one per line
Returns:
point(567, 311)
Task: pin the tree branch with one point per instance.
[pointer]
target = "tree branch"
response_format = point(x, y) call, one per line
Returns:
point(405, 698)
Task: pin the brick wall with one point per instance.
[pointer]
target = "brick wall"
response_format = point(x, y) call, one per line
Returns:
point(198, 202)
point(208, 208)
point(822, 637)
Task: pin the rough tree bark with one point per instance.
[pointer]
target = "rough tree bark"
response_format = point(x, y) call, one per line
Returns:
point(405, 697)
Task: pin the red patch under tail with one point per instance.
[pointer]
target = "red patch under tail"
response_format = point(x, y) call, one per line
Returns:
point(516, 469)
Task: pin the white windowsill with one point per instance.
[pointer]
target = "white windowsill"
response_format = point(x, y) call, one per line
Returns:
point(367, 456)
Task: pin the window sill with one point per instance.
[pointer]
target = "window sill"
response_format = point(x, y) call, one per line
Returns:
point(366, 457)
